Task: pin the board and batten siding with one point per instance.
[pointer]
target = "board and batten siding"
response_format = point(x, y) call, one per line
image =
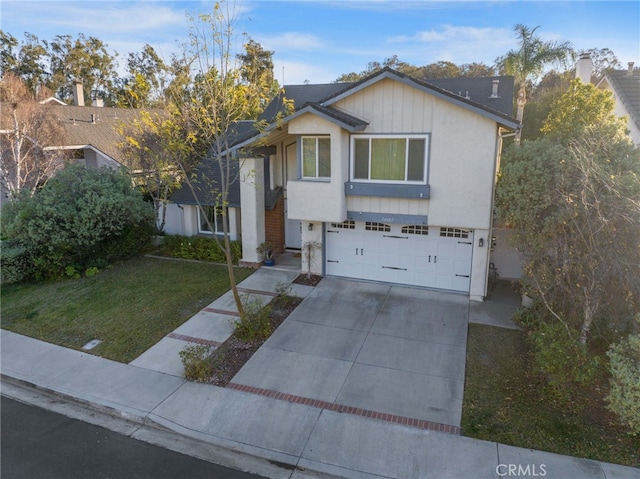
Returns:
point(462, 152)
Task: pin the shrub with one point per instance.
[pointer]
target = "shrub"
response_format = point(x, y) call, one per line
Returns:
point(200, 248)
point(560, 355)
point(91, 272)
point(195, 359)
point(528, 318)
point(255, 323)
point(624, 395)
point(82, 217)
point(284, 292)
point(16, 263)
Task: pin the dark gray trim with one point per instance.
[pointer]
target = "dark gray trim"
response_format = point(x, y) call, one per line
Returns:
point(421, 192)
point(388, 218)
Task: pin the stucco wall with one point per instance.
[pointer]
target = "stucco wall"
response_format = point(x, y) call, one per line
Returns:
point(320, 200)
point(462, 152)
point(183, 220)
point(461, 167)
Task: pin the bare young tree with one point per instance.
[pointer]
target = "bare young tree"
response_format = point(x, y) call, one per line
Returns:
point(208, 109)
point(27, 128)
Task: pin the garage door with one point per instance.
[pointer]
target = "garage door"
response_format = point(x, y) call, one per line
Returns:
point(416, 255)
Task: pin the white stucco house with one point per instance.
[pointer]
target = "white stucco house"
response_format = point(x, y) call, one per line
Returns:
point(390, 179)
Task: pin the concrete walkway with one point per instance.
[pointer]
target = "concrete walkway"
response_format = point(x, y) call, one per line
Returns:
point(213, 325)
point(279, 438)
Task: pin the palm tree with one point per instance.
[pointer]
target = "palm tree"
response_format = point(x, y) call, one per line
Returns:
point(528, 62)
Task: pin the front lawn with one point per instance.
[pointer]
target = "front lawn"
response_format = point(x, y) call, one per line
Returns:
point(506, 400)
point(130, 306)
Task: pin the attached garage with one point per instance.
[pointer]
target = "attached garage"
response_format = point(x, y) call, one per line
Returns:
point(418, 255)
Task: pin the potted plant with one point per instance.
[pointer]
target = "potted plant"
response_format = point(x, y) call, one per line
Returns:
point(267, 252)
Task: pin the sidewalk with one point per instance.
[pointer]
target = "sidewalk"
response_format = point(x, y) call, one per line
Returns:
point(288, 440)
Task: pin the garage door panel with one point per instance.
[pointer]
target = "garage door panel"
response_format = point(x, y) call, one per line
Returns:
point(401, 254)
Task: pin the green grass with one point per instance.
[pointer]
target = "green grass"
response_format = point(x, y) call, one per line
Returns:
point(506, 400)
point(130, 306)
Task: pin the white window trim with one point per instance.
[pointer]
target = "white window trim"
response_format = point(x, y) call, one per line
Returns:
point(352, 165)
point(214, 223)
point(316, 177)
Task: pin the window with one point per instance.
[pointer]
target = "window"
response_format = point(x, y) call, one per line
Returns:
point(454, 233)
point(416, 229)
point(373, 226)
point(216, 217)
point(394, 159)
point(316, 157)
point(347, 225)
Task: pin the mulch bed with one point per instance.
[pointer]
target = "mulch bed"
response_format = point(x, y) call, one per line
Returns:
point(312, 280)
point(229, 358)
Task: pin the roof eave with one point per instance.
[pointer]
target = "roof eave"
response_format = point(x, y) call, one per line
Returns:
point(498, 117)
point(312, 109)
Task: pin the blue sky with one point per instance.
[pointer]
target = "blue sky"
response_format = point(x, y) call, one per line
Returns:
point(319, 40)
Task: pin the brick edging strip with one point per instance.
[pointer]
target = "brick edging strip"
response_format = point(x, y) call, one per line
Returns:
point(221, 311)
point(256, 291)
point(407, 421)
point(191, 339)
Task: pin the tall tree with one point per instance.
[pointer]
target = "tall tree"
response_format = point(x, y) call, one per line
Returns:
point(27, 129)
point(573, 199)
point(85, 59)
point(8, 54)
point(603, 59)
point(256, 71)
point(528, 62)
point(28, 60)
point(144, 85)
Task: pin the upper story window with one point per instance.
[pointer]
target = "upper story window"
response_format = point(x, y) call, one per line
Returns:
point(316, 157)
point(389, 159)
point(216, 217)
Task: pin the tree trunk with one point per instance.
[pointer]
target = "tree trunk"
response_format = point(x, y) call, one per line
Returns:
point(229, 258)
point(591, 303)
point(522, 101)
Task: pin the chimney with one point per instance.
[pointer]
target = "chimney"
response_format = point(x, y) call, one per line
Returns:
point(584, 68)
point(78, 93)
point(494, 91)
point(630, 69)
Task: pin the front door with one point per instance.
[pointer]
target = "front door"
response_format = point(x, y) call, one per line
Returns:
point(292, 228)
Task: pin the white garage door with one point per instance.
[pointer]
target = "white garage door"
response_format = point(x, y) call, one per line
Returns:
point(417, 255)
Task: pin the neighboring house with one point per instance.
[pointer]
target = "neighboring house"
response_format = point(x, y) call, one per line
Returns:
point(625, 85)
point(389, 179)
point(91, 134)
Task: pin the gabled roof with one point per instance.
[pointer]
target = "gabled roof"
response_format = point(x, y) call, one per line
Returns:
point(473, 94)
point(480, 104)
point(627, 86)
point(208, 182)
point(84, 126)
point(346, 121)
point(94, 126)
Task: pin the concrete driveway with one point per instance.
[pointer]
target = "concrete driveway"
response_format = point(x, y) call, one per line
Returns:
point(369, 347)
